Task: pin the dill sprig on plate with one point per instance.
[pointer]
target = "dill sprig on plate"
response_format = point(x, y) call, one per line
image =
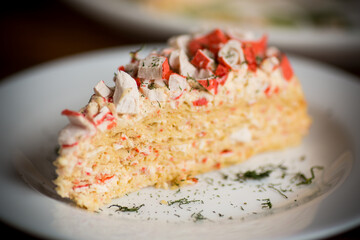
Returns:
point(304, 180)
point(198, 216)
point(266, 203)
point(126, 209)
point(182, 201)
point(252, 175)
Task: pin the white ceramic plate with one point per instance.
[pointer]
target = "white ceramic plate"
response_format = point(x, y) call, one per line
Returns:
point(219, 206)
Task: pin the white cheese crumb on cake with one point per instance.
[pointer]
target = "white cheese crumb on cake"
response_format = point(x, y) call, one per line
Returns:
point(206, 101)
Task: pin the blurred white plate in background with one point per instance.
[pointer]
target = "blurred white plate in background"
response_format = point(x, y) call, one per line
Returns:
point(326, 30)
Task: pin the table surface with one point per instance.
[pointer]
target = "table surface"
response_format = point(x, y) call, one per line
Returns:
point(34, 32)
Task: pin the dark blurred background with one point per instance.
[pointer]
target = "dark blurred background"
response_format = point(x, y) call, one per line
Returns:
point(33, 32)
point(38, 31)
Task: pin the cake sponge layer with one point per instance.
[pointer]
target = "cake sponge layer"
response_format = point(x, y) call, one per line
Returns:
point(169, 147)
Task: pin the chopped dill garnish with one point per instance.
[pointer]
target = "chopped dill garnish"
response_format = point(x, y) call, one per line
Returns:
point(266, 203)
point(194, 84)
point(159, 104)
point(304, 180)
point(167, 85)
point(277, 190)
point(282, 167)
point(151, 86)
point(182, 201)
point(229, 54)
point(258, 60)
point(224, 176)
point(155, 62)
point(126, 209)
point(188, 77)
point(252, 175)
point(209, 181)
point(198, 216)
